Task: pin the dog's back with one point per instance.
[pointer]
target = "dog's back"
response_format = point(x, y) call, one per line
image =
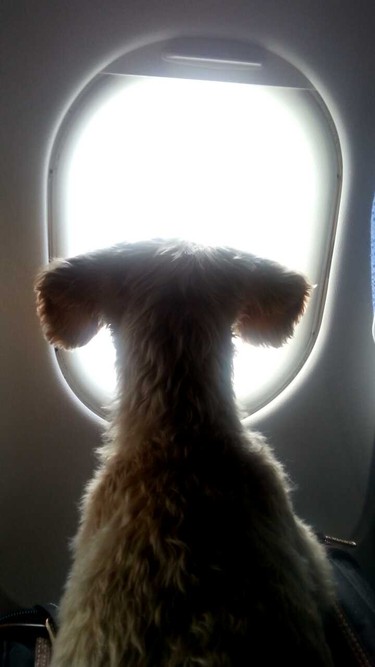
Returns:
point(188, 552)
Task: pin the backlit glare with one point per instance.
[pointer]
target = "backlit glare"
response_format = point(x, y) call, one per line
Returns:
point(217, 163)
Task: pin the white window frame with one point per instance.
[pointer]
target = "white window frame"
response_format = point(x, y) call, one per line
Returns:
point(214, 60)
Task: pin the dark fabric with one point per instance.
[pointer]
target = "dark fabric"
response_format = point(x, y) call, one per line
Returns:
point(14, 654)
point(351, 630)
point(20, 631)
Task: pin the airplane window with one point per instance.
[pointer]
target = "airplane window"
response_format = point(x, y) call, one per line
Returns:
point(255, 167)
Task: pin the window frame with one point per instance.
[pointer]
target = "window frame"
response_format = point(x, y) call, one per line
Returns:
point(214, 60)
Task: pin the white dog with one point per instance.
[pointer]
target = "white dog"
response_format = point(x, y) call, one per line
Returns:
point(189, 553)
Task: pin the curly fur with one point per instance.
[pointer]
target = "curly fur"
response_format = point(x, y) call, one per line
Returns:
point(188, 551)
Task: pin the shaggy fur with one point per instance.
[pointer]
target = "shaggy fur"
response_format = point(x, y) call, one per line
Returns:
point(188, 553)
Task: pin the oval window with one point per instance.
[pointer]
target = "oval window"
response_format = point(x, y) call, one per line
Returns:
point(221, 151)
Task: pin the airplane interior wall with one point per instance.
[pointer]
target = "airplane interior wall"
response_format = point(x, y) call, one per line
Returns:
point(322, 426)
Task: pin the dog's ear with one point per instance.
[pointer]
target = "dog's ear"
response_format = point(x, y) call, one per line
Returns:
point(69, 300)
point(273, 301)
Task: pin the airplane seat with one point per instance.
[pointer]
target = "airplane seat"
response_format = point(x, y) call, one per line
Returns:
point(351, 630)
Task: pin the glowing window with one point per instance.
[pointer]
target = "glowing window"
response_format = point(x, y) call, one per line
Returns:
point(255, 167)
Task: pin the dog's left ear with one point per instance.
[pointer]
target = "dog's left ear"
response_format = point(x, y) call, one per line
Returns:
point(70, 300)
point(273, 301)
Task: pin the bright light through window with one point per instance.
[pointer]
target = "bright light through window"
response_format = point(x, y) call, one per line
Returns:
point(218, 163)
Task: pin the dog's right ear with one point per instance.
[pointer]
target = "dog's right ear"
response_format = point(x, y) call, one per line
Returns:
point(273, 301)
point(69, 300)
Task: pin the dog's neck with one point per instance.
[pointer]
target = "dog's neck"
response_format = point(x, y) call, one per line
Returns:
point(175, 384)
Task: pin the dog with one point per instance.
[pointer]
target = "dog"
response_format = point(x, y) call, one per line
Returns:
point(188, 552)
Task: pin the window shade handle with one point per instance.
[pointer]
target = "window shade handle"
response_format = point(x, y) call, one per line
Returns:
point(214, 53)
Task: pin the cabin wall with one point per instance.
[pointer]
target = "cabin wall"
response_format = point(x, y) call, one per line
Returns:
point(322, 426)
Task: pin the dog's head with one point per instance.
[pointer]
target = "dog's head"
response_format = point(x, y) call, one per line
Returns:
point(258, 298)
